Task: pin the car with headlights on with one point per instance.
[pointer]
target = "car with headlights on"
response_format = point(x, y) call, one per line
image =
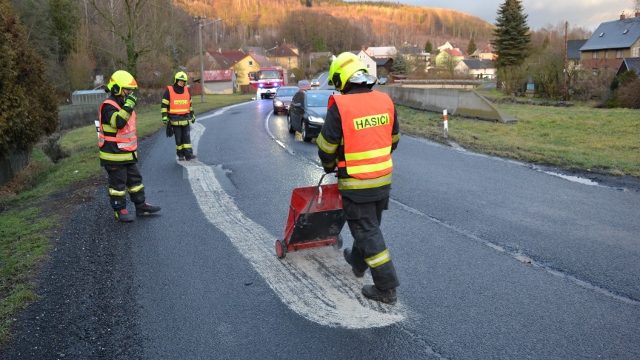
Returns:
point(307, 112)
point(315, 83)
point(304, 84)
point(283, 98)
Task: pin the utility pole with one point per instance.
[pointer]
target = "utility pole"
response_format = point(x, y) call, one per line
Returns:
point(199, 19)
point(566, 26)
point(201, 24)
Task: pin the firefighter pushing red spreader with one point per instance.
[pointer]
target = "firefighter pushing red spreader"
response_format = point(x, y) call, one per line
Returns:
point(315, 219)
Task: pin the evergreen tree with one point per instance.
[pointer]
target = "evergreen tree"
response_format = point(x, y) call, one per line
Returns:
point(471, 48)
point(511, 34)
point(65, 20)
point(29, 108)
point(399, 64)
point(428, 47)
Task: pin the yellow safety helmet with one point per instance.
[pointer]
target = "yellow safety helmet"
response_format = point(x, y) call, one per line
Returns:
point(348, 67)
point(121, 80)
point(181, 75)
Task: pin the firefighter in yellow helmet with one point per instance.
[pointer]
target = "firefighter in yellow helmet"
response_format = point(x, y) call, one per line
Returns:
point(118, 142)
point(359, 134)
point(177, 110)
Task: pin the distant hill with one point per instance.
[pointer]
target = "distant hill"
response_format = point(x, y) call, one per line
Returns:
point(263, 22)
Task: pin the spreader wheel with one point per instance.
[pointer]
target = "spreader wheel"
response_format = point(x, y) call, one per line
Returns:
point(338, 244)
point(281, 250)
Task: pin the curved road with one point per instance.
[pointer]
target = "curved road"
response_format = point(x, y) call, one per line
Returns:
point(497, 259)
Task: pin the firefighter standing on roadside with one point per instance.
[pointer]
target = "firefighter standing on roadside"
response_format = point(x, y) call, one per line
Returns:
point(359, 134)
point(118, 143)
point(176, 108)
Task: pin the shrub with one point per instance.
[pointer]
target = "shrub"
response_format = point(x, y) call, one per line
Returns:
point(53, 149)
point(627, 95)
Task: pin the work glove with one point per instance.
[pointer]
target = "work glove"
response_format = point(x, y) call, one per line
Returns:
point(165, 120)
point(131, 100)
point(328, 170)
point(193, 118)
point(169, 130)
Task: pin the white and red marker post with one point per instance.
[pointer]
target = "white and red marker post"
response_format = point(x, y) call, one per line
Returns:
point(446, 123)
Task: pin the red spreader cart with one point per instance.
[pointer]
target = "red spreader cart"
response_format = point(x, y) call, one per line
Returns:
point(315, 219)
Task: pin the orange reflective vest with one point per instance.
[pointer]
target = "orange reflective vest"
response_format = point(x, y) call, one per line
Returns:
point(126, 138)
point(367, 123)
point(179, 104)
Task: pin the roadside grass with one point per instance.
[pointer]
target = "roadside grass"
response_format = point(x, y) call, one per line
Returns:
point(23, 244)
point(30, 207)
point(575, 138)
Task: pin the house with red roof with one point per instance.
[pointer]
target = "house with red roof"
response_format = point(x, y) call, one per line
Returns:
point(448, 56)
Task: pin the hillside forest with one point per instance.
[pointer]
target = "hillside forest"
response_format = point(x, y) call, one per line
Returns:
point(79, 39)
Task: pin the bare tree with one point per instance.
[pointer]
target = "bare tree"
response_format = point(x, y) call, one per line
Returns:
point(450, 64)
point(513, 78)
point(547, 72)
point(394, 32)
point(136, 27)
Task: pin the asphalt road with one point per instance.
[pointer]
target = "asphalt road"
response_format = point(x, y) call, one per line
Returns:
point(497, 260)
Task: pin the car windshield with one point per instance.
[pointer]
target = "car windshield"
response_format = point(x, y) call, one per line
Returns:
point(287, 92)
point(268, 74)
point(318, 100)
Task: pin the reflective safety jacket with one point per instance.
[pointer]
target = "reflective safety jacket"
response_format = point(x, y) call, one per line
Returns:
point(367, 124)
point(176, 105)
point(124, 139)
point(179, 104)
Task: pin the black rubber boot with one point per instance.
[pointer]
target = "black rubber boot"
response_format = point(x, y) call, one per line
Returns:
point(180, 158)
point(385, 296)
point(347, 257)
point(190, 157)
point(145, 209)
point(123, 215)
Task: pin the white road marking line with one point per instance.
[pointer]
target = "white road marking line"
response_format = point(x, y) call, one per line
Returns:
point(317, 284)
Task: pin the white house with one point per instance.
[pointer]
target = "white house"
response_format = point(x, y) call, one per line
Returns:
point(477, 68)
point(367, 60)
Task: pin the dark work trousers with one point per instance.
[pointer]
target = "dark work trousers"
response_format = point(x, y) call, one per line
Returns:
point(364, 222)
point(182, 134)
point(123, 178)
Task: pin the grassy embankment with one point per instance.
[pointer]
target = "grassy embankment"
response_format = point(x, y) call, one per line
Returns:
point(28, 216)
point(575, 138)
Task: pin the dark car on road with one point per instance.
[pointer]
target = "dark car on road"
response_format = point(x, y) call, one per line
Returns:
point(304, 84)
point(283, 98)
point(308, 111)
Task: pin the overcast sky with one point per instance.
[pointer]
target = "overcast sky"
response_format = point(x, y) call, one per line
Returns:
point(585, 13)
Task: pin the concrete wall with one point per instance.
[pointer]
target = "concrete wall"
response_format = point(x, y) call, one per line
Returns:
point(465, 103)
point(78, 116)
